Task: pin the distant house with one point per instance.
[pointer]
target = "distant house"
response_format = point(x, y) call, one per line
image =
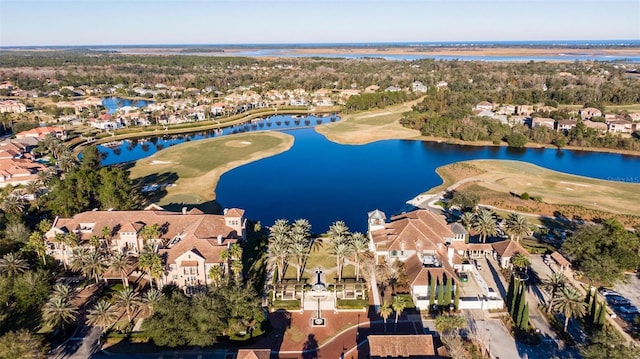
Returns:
point(506, 110)
point(600, 127)
point(371, 88)
point(635, 116)
point(620, 126)
point(543, 122)
point(590, 112)
point(42, 132)
point(442, 85)
point(483, 106)
point(12, 106)
point(524, 110)
point(418, 86)
point(393, 89)
point(566, 125)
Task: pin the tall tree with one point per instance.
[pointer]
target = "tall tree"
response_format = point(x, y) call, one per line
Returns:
point(58, 312)
point(11, 265)
point(341, 248)
point(384, 311)
point(121, 263)
point(554, 282)
point(485, 224)
point(517, 226)
point(22, 345)
point(103, 314)
point(569, 302)
point(520, 261)
point(398, 305)
point(127, 300)
point(360, 244)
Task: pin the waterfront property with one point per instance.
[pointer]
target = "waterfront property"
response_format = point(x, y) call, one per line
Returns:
point(189, 242)
point(434, 254)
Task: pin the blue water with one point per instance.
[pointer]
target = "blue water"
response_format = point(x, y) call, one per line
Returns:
point(325, 181)
point(112, 104)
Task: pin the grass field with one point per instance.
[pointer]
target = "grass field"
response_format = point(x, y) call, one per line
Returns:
point(369, 126)
point(195, 167)
point(498, 179)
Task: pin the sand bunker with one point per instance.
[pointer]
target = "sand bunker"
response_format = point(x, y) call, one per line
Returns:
point(155, 162)
point(375, 115)
point(238, 143)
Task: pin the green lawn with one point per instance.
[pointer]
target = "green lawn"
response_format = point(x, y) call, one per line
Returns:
point(195, 167)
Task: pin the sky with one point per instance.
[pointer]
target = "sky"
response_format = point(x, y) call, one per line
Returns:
point(102, 22)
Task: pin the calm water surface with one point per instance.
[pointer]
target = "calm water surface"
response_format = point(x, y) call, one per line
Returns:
point(324, 181)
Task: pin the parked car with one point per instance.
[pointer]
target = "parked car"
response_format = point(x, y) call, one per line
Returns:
point(630, 309)
point(463, 277)
point(617, 300)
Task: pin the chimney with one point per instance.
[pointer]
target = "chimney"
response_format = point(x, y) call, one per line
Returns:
point(220, 240)
point(224, 212)
point(184, 210)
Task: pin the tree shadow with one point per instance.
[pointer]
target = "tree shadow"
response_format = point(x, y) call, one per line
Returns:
point(310, 348)
point(497, 279)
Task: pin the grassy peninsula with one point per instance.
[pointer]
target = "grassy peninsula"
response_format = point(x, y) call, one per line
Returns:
point(500, 183)
point(189, 173)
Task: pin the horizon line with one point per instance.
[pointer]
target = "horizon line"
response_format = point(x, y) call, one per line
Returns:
point(566, 42)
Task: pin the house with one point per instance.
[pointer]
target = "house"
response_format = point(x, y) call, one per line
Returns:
point(483, 106)
point(442, 85)
point(12, 106)
point(620, 126)
point(600, 127)
point(418, 86)
point(371, 88)
point(566, 125)
point(524, 110)
point(393, 89)
point(18, 171)
point(42, 132)
point(635, 116)
point(189, 242)
point(404, 346)
point(590, 112)
point(506, 249)
point(506, 110)
point(543, 122)
point(422, 240)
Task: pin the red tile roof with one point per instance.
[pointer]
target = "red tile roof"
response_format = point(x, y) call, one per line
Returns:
point(253, 354)
point(396, 346)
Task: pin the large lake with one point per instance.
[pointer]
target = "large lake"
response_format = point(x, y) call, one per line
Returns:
point(325, 181)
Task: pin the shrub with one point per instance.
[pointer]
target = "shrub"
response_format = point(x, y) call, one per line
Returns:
point(525, 196)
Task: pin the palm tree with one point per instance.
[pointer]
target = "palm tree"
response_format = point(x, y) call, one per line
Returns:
point(360, 244)
point(36, 244)
point(299, 250)
point(570, 303)
point(236, 268)
point(467, 220)
point(398, 306)
point(235, 252)
point(121, 263)
point(58, 312)
point(215, 274)
point(65, 241)
point(62, 291)
point(385, 311)
point(341, 249)
point(44, 177)
point(485, 224)
point(150, 262)
point(151, 299)
point(106, 234)
point(278, 253)
point(338, 231)
point(148, 233)
point(90, 263)
point(103, 314)
point(128, 300)
point(554, 282)
point(301, 227)
point(517, 226)
point(280, 230)
point(13, 204)
point(520, 261)
point(11, 264)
